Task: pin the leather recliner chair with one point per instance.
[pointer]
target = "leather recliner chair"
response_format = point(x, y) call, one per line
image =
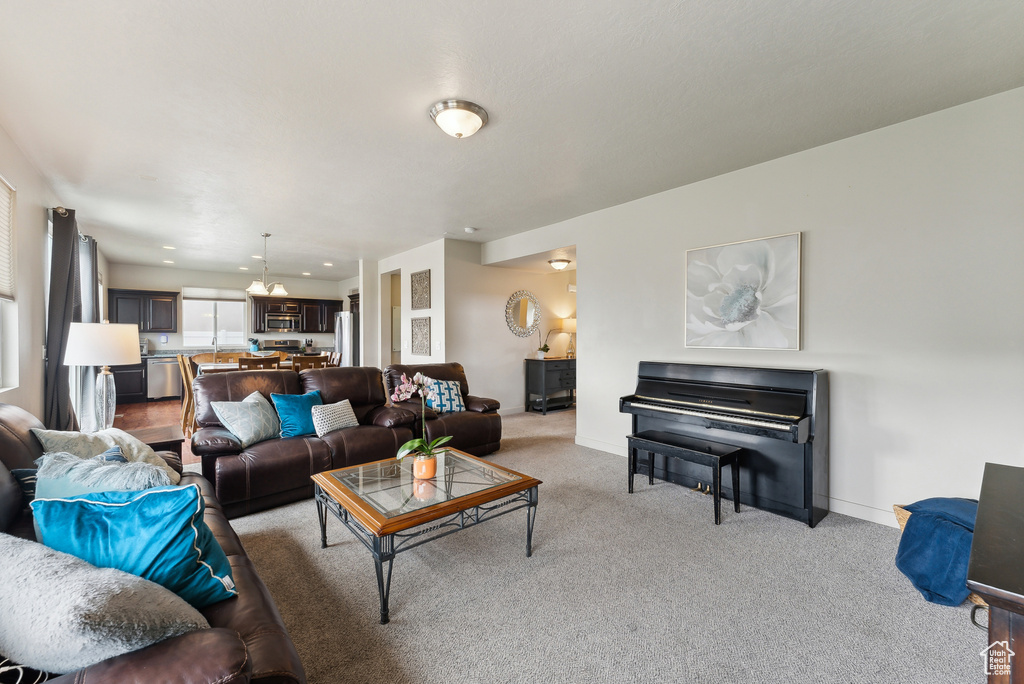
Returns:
point(477, 430)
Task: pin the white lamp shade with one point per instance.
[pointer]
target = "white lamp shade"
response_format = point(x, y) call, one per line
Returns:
point(257, 288)
point(277, 290)
point(102, 344)
point(569, 325)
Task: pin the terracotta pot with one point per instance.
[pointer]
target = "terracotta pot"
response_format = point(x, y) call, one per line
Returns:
point(424, 468)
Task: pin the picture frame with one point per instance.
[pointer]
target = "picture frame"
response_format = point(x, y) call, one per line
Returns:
point(419, 284)
point(421, 336)
point(744, 295)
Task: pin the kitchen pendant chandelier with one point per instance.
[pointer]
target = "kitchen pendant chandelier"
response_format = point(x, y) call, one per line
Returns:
point(260, 287)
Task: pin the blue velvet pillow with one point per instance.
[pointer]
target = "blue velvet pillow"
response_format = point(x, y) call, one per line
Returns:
point(296, 412)
point(158, 534)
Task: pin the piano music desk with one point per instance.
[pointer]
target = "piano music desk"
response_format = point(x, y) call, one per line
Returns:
point(698, 451)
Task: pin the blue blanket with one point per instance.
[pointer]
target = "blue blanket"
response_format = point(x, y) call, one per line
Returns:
point(936, 547)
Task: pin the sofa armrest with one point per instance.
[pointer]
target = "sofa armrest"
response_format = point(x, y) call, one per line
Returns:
point(215, 440)
point(390, 416)
point(207, 655)
point(414, 407)
point(172, 459)
point(481, 404)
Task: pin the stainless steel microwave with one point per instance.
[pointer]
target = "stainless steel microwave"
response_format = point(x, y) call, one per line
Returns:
point(284, 322)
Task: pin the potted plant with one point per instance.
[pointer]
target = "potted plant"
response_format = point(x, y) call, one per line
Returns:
point(542, 350)
point(425, 464)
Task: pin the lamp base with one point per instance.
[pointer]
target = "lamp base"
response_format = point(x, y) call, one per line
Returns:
point(106, 399)
point(570, 351)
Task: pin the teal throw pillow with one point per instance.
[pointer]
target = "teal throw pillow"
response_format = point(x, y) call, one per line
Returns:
point(158, 534)
point(251, 420)
point(296, 412)
point(449, 396)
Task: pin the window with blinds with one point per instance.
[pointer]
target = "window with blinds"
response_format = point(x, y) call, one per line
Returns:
point(6, 240)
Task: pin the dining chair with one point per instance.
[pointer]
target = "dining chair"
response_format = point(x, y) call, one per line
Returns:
point(334, 359)
point(188, 403)
point(303, 362)
point(204, 357)
point(250, 362)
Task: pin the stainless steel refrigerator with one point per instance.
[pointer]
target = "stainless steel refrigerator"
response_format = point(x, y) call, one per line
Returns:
point(344, 338)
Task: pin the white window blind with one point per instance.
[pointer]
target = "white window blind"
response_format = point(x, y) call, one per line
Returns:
point(6, 240)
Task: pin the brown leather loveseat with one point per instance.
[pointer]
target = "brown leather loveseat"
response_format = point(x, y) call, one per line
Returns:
point(477, 430)
point(247, 640)
point(277, 471)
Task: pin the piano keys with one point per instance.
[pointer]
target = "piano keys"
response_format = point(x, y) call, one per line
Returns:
point(778, 416)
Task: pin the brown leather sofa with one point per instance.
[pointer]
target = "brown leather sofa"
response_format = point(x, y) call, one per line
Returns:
point(247, 640)
point(277, 471)
point(477, 430)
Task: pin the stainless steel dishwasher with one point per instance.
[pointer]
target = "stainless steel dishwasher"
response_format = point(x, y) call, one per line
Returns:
point(164, 377)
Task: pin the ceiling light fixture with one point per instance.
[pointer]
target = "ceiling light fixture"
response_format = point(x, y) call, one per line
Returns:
point(169, 247)
point(559, 264)
point(458, 118)
point(259, 287)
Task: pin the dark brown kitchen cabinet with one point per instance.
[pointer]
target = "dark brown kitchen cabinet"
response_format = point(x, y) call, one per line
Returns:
point(259, 315)
point(312, 317)
point(331, 308)
point(151, 310)
point(130, 383)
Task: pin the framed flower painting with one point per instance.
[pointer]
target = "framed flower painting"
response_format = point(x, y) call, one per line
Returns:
point(744, 295)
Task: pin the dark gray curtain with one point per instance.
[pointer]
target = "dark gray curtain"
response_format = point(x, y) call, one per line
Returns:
point(89, 280)
point(65, 305)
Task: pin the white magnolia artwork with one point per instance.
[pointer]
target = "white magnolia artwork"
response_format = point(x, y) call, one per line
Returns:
point(744, 295)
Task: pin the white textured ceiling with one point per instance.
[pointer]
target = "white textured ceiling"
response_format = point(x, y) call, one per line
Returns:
point(200, 124)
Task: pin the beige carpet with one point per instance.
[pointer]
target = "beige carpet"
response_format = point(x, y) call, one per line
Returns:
point(620, 588)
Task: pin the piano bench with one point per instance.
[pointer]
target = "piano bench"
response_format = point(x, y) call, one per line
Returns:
point(699, 451)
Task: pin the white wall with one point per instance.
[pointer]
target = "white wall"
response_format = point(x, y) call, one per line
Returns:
point(913, 238)
point(430, 256)
point(131, 276)
point(24, 321)
point(477, 334)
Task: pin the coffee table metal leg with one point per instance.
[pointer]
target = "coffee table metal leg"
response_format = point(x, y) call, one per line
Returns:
point(383, 552)
point(321, 513)
point(531, 517)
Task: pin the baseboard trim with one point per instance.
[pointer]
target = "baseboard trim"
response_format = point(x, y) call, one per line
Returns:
point(869, 513)
point(601, 446)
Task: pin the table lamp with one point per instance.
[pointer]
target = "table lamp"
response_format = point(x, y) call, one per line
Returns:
point(569, 326)
point(106, 345)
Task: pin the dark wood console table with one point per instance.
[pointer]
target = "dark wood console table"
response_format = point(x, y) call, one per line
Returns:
point(996, 570)
point(549, 376)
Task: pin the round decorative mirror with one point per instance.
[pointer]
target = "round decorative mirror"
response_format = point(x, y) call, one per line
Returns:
point(522, 313)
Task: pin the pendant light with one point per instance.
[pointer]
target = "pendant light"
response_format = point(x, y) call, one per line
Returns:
point(259, 287)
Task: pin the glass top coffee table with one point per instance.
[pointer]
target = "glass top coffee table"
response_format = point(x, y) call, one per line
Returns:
point(390, 511)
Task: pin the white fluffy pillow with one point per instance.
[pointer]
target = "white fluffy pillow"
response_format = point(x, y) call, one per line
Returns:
point(87, 445)
point(331, 417)
point(59, 613)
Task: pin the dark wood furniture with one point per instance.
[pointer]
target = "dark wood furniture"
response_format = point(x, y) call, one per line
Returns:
point(778, 416)
point(354, 308)
point(699, 451)
point(315, 315)
point(303, 362)
point(130, 383)
point(996, 569)
point(163, 438)
point(546, 377)
point(153, 311)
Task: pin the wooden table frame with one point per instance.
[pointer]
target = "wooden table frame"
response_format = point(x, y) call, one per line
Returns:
point(387, 537)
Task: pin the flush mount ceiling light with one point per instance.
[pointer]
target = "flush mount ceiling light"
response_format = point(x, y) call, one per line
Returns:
point(458, 118)
point(259, 287)
point(559, 264)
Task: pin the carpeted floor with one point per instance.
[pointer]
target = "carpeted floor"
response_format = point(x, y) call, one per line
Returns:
point(620, 588)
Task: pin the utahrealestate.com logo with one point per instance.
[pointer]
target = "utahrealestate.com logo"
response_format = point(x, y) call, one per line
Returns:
point(997, 658)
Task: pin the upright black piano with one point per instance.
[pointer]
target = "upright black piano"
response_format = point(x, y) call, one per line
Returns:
point(778, 416)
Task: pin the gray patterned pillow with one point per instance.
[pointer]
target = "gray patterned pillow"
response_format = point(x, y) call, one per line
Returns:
point(331, 417)
point(251, 420)
point(62, 613)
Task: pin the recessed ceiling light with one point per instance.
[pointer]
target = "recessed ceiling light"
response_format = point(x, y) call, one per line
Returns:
point(168, 261)
point(328, 264)
point(256, 256)
point(307, 274)
point(243, 268)
point(169, 247)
